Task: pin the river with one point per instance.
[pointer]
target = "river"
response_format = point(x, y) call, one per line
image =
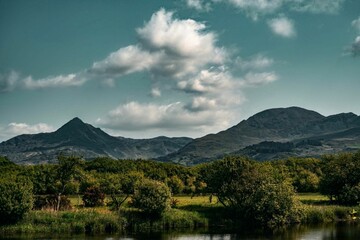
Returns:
point(343, 231)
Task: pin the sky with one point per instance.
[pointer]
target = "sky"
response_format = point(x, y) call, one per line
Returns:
point(140, 68)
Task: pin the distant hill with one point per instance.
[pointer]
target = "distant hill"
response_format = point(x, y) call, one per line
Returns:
point(270, 134)
point(275, 131)
point(79, 138)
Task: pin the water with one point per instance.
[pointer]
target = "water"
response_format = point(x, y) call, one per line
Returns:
point(343, 231)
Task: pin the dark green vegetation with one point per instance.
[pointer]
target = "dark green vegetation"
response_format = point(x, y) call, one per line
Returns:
point(125, 195)
point(271, 134)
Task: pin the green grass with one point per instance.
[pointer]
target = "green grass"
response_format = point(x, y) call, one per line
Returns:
point(189, 213)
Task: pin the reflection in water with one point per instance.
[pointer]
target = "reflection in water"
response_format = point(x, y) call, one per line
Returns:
point(349, 231)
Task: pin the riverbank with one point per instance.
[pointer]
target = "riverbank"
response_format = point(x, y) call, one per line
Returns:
point(189, 213)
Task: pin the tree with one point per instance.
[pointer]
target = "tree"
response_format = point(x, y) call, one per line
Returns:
point(254, 191)
point(175, 184)
point(152, 197)
point(341, 179)
point(68, 171)
point(93, 197)
point(16, 199)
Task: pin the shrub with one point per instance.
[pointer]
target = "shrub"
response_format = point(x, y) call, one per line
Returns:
point(152, 197)
point(93, 197)
point(341, 179)
point(50, 202)
point(16, 199)
point(256, 192)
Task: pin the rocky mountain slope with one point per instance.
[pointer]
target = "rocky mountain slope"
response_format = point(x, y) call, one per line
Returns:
point(79, 138)
point(271, 129)
point(270, 134)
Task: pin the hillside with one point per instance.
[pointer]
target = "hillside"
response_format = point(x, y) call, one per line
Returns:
point(79, 138)
point(275, 125)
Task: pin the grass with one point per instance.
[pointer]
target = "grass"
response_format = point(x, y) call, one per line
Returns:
point(189, 213)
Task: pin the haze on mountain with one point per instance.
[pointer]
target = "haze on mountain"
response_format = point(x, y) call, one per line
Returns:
point(271, 134)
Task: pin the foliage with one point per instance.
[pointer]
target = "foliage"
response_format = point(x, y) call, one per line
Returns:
point(93, 197)
point(16, 199)
point(68, 171)
point(304, 173)
point(341, 180)
point(50, 202)
point(152, 197)
point(256, 191)
point(175, 184)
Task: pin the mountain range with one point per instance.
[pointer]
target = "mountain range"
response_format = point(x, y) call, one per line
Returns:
point(270, 134)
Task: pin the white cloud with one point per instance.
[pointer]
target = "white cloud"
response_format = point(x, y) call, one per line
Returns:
point(258, 8)
point(355, 47)
point(8, 81)
point(282, 26)
point(199, 5)
point(126, 60)
point(356, 24)
point(135, 116)
point(255, 7)
point(168, 48)
point(316, 6)
point(208, 81)
point(258, 61)
point(256, 79)
point(155, 92)
point(15, 129)
point(53, 82)
point(202, 104)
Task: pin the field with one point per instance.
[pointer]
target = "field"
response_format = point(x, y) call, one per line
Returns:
point(188, 213)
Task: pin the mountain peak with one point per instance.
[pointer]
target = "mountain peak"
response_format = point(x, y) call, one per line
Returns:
point(75, 124)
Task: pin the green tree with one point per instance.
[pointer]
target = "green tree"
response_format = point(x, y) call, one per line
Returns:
point(16, 199)
point(68, 170)
point(175, 184)
point(152, 197)
point(256, 192)
point(341, 180)
point(93, 197)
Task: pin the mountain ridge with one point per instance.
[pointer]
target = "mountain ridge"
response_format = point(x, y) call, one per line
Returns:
point(269, 134)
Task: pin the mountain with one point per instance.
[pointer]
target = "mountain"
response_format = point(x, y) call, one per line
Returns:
point(79, 138)
point(276, 130)
point(270, 134)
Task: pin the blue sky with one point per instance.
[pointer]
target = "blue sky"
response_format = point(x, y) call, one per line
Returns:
point(176, 68)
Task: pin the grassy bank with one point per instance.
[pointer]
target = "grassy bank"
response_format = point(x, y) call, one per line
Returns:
point(189, 213)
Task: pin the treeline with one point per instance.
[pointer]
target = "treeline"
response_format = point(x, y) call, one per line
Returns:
point(259, 192)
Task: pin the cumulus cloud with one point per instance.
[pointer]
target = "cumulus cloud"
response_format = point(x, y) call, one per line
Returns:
point(208, 81)
point(258, 61)
point(170, 117)
point(283, 27)
point(198, 5)
point(180, 55)
point(53, 82)
point(14, 129)
point(8, 81)
point(167, 48)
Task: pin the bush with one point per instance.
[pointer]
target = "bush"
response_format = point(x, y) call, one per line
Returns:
point(256, 192)
point(152, 197)
point(50, 202)
point(341, 179)
point(16, 199)
point(93, 197)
